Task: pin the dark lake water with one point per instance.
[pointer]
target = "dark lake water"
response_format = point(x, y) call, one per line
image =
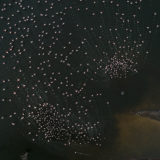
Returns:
point(127, 134)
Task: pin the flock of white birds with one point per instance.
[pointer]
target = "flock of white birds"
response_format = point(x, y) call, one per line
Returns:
point(51, 50)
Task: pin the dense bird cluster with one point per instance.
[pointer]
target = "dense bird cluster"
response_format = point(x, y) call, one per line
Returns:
point(51, 50)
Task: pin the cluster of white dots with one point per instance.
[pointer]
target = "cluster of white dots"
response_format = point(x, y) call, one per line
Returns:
point(50, 51)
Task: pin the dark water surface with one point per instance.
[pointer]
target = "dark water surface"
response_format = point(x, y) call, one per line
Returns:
point(129, 135)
